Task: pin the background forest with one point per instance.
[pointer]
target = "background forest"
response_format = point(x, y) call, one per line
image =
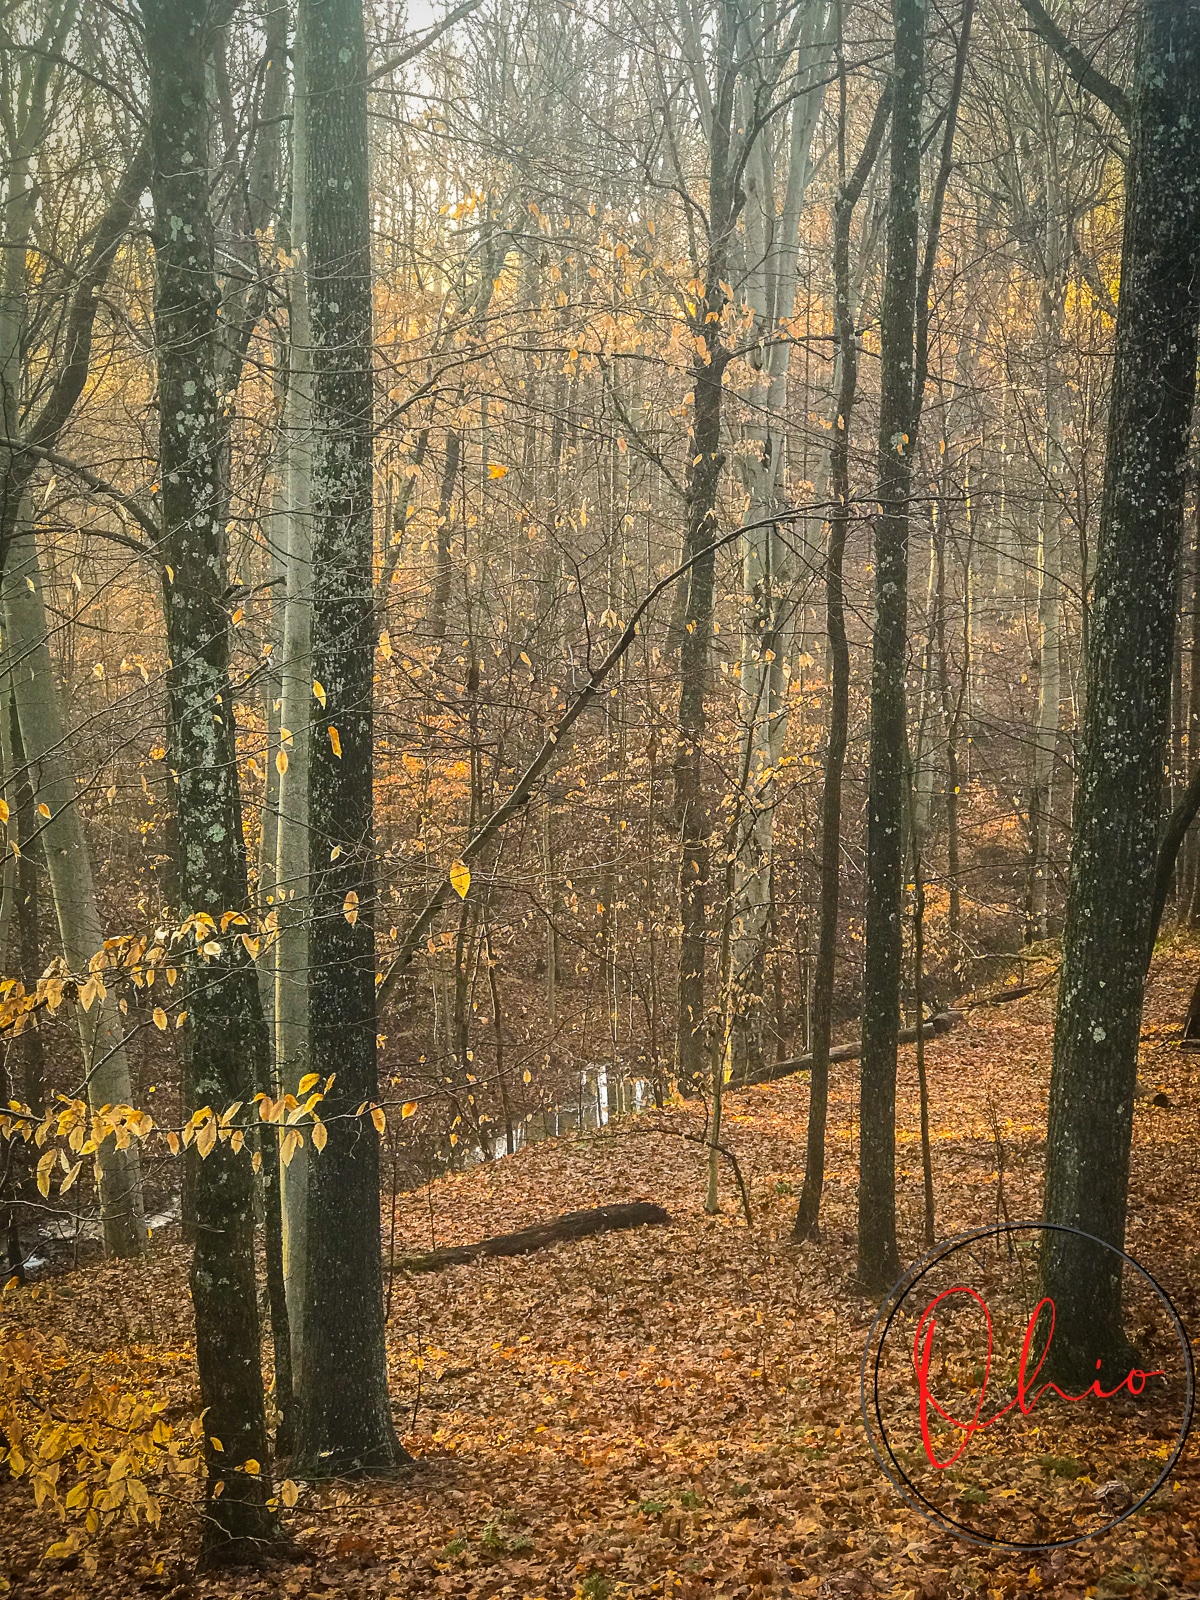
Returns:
point(560, 563)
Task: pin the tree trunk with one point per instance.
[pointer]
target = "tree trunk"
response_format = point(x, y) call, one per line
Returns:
point(838, 669)
point(443, 571)
point(702, 480)
point(1106, 942)
point(71, 877)
point(878, 1255)
point(226, 1036)
point(1045, 738)
point(768, 566)
point(292, 1052)
point(344, 1422)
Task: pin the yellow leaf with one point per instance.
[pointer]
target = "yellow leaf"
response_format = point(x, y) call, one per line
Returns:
point(256, 1161)
point(3, 810)
point(527, 1076)
point(216, 1444)
point(319, 1135)
point(495, 470)
point(409, 1108)
point(309, 1081)
point(319, 691)
point(252, 1466)
point(460, 879)
point(181, 1019)
point(379, 1118)
point(335, 742)
point(291, 1143)
point(43, 1171)
point(160, 1019)
point(350, 912)
point(158, 753)
point(77, 1497)
point(288, 1492)
point(206, 1138)
point(281, 761)
point(385, 645)
point(72, 1174)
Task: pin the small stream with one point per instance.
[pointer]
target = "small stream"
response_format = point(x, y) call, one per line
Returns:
point(599, 1097)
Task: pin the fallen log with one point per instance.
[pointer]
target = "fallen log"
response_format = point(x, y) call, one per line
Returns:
point(559, 1230)
point(941, 1023)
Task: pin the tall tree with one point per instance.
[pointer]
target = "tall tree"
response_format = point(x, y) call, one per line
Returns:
point(344, 1420)
point(295, 717)
point(227, 1042)
point(838, 652)
point(878, 1256)
point(71, 875)
point(1108, 932)
point(776, 186)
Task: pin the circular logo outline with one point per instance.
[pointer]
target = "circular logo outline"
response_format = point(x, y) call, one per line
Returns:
point(899, 1480)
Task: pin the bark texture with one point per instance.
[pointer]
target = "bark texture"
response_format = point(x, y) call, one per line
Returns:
point(344, 1421)
point(72, 879)
point(227, 1041)
point(878, 1255)
point(838, 670)
point(1106, 941)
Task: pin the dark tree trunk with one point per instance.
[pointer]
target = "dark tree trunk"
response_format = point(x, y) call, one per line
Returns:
point(26, 1061)
point(26, 917)
point(227, 1041)
point(690, 800)
point(1193, 853)
point(443, 571)
point(808, 1212)
point(1106, 942)
point(702, 480)
point(878, 1255)
point(344, 1420)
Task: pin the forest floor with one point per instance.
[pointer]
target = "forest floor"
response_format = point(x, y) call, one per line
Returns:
point(672, 1411)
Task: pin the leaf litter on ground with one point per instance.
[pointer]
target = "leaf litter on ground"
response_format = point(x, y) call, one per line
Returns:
point(665, 1412)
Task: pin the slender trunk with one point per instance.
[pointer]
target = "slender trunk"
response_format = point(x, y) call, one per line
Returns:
point(297, 705)
point(1106, 940)
point(443, 571)
point(820, 1007)
point(878, 1255)
point(1045, 739)
point(1193, 915)
point(28, 1052)
point(72, 879)
point(344, 1421)
point(768, 565)
point(701, 484)
point(691, 804)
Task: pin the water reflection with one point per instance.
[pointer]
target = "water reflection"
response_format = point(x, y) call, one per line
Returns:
point(599, 1097)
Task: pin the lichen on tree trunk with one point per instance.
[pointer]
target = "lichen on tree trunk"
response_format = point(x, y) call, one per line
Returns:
point(1106, 940)
point(226, 1036)
point(344, 1421)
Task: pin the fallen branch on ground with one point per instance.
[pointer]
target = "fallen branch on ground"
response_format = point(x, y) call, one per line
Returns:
point(572, 1225)
point(941, 1023)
